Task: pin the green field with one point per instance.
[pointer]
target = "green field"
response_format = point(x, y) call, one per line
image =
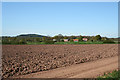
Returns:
point(78, 43)
point(38, 43)
point(100, 42)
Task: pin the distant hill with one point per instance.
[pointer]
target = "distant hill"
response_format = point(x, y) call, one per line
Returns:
point(31, 35)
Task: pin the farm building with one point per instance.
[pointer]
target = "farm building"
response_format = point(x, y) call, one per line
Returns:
point(75, 40)
point(84, 39)
point(65, 40)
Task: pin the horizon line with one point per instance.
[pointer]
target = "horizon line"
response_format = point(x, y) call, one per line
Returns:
point(53, 36)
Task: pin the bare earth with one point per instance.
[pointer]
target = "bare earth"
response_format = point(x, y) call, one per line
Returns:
point(84, 70)
point(58, 60)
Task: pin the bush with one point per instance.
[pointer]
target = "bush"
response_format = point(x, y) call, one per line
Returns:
point(3, 42)
point(71, 40)
point(22, 42)
point(14, 42)
point(108, 41)
point(49, 42)
point(62, 40)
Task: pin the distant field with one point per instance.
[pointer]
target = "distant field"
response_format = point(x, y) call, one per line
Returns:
point(79, 43)
point(100, 42)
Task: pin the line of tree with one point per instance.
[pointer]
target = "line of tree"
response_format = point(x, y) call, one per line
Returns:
point(47, 40)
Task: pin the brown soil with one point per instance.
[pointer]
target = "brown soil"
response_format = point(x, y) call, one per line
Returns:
point(25, 59)
point(91, 69)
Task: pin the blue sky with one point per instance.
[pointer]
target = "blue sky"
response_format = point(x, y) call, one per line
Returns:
point(67, 18)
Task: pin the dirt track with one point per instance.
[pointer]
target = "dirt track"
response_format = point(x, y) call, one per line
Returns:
point(84, 70)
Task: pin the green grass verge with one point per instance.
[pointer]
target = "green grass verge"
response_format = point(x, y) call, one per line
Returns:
point(110, 76)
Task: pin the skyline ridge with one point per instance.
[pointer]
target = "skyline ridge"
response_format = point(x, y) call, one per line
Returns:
point(55, 35)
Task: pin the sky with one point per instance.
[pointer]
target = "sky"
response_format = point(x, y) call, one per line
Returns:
point(67, 18)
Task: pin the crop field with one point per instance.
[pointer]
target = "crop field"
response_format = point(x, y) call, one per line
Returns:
point(25, 59)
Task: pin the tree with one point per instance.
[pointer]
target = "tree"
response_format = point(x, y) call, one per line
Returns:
point(43, 39)
point(103, 38)
point(58, 37)
point(38, 39)
point(98, 38)
point(92, 38)
point(65, 37)
point(80, 38)
point(72, 37)
point(71, 40)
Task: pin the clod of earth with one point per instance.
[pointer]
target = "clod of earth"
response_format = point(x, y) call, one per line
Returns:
point(19, 60)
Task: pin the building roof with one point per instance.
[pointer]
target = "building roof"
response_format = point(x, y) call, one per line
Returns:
point(75, 39)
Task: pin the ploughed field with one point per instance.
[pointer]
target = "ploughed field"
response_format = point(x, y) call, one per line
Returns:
point(26, 59)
